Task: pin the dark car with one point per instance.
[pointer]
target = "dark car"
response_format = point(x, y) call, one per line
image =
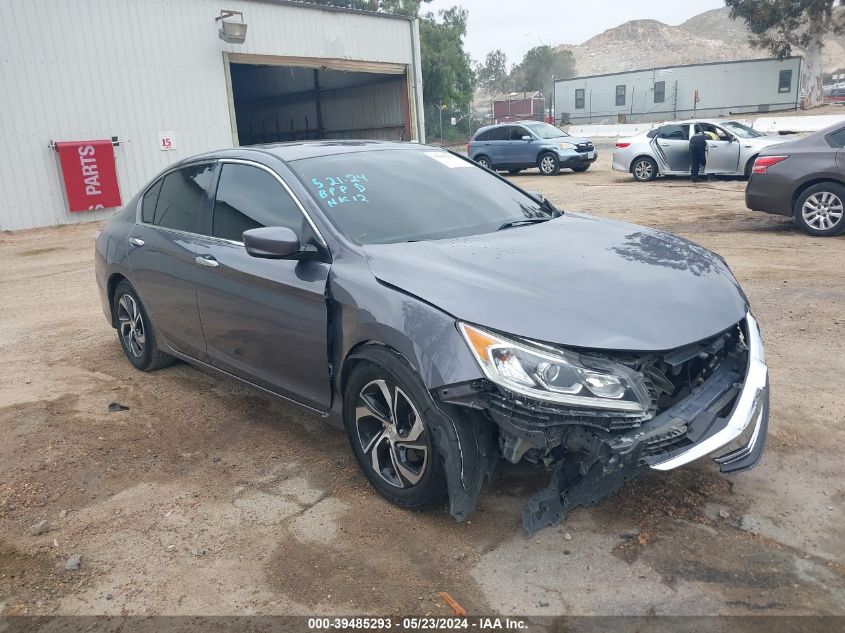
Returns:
point(513, 147)
point(804, 179)
point(442, 316)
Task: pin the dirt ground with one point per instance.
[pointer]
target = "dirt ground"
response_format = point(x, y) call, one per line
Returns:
point(205, 497)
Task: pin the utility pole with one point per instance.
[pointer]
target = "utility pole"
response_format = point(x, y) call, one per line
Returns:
point(440, 108)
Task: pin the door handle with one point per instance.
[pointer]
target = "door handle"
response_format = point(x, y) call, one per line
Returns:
point(136, 241)
point(664, 145)
point(207, 260)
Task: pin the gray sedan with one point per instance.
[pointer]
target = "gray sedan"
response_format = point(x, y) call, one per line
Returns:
point(443, 317)
point(665, 151)
point(804, 179)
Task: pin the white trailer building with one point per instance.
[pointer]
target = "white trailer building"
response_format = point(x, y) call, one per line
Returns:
point(673, 92)
point(155, 77)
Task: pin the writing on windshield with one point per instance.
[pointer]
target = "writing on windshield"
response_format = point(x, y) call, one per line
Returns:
point(338, 190)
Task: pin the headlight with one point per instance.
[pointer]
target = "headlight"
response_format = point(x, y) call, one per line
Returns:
point(556, 376)
point(571, 146)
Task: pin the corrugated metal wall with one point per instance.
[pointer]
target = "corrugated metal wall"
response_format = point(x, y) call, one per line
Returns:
point(724, 89)
point(92, 69)
point(280, 104)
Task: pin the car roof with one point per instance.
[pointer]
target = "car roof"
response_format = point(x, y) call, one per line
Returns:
point(710, 121)
point(521, 122)
point(299, 150)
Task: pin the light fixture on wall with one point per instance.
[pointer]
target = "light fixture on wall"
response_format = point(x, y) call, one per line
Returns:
point(231, 32)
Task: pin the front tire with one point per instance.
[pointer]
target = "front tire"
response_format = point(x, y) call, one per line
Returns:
point(644, 169)
point(548, 164)
point(820, 210)
point(135, 330)
point(384, 408)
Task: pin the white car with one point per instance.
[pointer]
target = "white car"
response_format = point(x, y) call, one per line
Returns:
point(665, 151)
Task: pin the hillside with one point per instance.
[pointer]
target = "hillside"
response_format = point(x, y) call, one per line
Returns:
point(709, 37)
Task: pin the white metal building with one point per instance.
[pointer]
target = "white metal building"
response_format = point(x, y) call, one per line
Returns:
point(144, 70)
point(672, 92)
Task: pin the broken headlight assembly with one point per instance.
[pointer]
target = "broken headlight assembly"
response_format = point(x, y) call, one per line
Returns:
point(559, 376)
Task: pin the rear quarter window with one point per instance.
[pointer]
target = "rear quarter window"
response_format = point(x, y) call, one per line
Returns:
point(836, 139)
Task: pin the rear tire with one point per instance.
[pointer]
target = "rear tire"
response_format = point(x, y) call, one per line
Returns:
point(548, 164)
point(644, 169)
point(820, 210)
point(135, 330)
point(483, 161)
point(384, 409)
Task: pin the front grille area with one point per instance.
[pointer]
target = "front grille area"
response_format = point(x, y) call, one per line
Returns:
point(670, 377)
point(585, 147)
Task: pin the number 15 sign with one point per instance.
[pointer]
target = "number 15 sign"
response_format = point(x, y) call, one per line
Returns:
point(166, 140)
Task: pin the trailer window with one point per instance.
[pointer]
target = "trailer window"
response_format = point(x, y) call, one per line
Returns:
point(579, 98)
point(785, 81)
point(659, 91)
point(620, 95)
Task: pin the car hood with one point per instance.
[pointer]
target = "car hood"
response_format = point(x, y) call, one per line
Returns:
point(570, 139)
point(577, 280)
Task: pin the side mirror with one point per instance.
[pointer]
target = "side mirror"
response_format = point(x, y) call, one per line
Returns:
point(526, 138)
point(276, 242)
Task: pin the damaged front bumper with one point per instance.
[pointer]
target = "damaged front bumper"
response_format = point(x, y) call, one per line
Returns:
point(723, 414)
point(737, 442)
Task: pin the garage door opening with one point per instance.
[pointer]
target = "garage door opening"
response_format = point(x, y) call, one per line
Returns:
point(274, 103)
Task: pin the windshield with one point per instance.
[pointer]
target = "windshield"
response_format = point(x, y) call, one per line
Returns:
point(409, 195)
point(742, 131)
point(544, 130)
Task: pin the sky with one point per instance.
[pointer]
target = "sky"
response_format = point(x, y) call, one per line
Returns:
point(517, 26)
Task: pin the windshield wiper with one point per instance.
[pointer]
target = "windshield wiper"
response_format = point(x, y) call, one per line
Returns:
point(524, 221)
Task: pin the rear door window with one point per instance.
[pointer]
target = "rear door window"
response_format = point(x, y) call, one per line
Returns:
point(250, 198)
point(674, 133)
point(180, 199)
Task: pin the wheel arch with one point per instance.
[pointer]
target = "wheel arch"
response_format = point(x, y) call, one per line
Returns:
point(638, 157)
point(799, 190)
point(111, 286)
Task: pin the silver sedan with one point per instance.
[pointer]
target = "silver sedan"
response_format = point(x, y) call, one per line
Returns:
point(665, 151)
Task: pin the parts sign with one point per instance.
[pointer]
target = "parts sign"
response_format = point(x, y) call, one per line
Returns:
point(90, 175)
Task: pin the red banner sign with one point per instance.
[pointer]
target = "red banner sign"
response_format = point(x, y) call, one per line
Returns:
point(90, 175)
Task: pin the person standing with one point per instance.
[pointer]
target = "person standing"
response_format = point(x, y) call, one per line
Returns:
point(698, 154)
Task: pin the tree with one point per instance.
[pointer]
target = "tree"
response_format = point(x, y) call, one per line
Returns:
point(781, 25)
point(539, 65)
point(492, 74)
point(446, 70)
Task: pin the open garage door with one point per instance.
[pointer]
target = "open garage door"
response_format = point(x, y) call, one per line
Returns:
point(293, 99)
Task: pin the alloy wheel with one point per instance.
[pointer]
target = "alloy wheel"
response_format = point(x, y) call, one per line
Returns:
point(131, 325)
point(392, 434)
point(822, 211)
point(484, 163)
point(547, 164)
point(643, 170)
